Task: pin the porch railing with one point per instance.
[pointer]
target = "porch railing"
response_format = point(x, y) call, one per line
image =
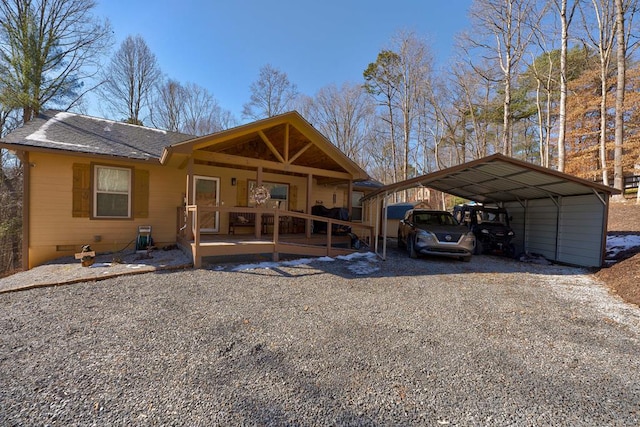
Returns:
point(220, 243)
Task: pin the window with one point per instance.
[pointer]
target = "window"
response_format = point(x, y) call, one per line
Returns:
point(279, 195)
point(356, 208)
point(112, 192)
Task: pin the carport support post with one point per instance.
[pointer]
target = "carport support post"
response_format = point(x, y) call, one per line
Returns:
point(384, 225)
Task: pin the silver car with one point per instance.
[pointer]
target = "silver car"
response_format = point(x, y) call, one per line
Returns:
point(431, 232)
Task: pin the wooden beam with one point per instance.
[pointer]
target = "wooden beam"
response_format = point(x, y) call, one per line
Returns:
point(286, 144)
point(299, 153)
point(233, 160)
point(271, 146)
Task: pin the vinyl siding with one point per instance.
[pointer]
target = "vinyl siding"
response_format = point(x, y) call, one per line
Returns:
point(54, 232)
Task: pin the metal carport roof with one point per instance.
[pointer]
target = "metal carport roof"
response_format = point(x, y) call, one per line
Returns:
point(498, 178)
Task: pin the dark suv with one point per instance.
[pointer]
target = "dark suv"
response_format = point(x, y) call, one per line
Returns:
point(490, 226)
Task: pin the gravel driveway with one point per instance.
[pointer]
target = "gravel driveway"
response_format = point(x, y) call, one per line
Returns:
point(409, 342)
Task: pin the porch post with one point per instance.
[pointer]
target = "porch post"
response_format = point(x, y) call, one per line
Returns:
point(258, 227)
point(190, 197)
point(309, 204)
point(350, 199)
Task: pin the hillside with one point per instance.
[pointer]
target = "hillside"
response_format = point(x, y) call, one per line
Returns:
point(623, 277)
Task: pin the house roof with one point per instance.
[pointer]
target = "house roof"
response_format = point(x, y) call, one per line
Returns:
point(70, 132)
point(285, 143)
point(498, 178)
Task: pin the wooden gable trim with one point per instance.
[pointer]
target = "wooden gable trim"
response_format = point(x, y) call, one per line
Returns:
point(270, 145)
point(231, 159)
point(352, 170)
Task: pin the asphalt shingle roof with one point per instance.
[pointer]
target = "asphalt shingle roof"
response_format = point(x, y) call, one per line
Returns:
point(72, 132)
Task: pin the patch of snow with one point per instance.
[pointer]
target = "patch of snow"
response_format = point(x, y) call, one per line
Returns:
point(620, 243)
point(356, 255)
point(365, 263)
point(41, 133)
point(362, 268)
point(100, 264)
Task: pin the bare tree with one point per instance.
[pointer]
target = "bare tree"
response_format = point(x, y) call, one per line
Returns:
point(621, 57)
point(271, 94)
point(504, 34)
point(47, 49)
point(415, 71)
point(601, 40)
point(566, 16)
point(345, 115)
point(202, 112)
point(189, 109)
point(382, 81)
point(130, 79)
point(166, 109)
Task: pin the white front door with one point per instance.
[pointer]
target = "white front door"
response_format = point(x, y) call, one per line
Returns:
point(206, 192)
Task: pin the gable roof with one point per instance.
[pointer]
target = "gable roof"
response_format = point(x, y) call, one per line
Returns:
point(499, 178)
point(286, 143)
point(61, 131)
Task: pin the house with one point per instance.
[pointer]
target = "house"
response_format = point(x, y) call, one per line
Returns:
point(250, 189)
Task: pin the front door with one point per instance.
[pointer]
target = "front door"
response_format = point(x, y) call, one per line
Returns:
point(206, 192)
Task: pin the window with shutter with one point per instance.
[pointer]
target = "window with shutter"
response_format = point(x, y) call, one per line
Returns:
point(117, 192)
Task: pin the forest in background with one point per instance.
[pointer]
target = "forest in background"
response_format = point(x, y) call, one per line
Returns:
point(551, 82)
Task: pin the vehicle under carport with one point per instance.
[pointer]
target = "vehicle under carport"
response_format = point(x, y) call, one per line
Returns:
point(558, 216)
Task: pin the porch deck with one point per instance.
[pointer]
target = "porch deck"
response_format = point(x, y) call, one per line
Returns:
point(268, 240)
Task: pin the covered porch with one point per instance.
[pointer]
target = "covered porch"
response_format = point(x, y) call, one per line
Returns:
point(272, 235)
point(304, 176)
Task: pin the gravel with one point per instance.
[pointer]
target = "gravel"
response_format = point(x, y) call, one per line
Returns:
point(347, 342)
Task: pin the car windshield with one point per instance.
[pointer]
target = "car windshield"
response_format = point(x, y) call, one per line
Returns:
point(434, 218)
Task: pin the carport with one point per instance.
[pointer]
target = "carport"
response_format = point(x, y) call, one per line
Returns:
point(556, 215)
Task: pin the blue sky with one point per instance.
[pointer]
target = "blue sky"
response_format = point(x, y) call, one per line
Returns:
point(222, 44)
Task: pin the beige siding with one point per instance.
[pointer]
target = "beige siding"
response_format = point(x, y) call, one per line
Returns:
point(55, 233)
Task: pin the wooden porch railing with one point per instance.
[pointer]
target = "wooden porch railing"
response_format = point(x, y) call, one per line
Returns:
point(220, 243)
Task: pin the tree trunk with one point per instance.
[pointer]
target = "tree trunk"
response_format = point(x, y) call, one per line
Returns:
point(563, 87)
point(618, 181)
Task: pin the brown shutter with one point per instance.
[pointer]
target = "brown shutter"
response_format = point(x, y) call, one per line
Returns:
point(141, 194)
point(81, 204)
point(242, 194)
